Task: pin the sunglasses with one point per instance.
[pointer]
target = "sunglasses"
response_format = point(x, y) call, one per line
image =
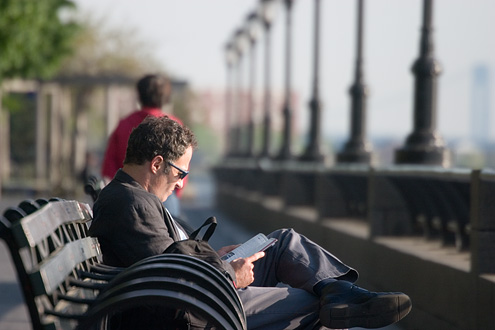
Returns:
point(182, 173)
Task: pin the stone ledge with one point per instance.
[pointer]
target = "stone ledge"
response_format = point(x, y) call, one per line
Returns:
point(354, 227)
point(428, 250)
point(446, 295)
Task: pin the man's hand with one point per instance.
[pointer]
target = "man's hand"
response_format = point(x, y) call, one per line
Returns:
point(243, 268)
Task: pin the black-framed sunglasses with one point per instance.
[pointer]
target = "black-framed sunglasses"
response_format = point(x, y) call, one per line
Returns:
point(182, 173)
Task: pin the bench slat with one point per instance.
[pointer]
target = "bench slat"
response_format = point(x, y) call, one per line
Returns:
point(59, 270)
point(54, 270)
point(36, 227)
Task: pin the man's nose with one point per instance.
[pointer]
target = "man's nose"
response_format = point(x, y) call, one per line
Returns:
point(179, 184)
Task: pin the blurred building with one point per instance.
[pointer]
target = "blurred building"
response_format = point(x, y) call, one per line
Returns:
point(481, 106)
point(212, 110)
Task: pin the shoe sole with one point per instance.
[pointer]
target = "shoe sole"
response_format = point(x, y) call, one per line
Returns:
point(377, 312)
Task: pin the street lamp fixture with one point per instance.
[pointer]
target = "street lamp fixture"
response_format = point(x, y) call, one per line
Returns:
point(230, 58)
point(240, 44)
point(253, 31)
point(267, 11)
point(357, 149)
point(425, 146)
point(285, 150)
point(313, 151)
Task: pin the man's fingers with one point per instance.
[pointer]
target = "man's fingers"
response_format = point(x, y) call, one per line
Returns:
point(256, 256)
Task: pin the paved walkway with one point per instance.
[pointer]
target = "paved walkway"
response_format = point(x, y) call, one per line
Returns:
point(13, 312)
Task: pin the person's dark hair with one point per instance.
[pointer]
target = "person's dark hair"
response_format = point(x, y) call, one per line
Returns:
point(158, 136)
point(153, 90)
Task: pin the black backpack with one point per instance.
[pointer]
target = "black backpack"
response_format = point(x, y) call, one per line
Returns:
point(152, 317)
point(201, 249)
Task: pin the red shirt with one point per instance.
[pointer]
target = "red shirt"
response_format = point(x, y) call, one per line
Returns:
point(117, 143)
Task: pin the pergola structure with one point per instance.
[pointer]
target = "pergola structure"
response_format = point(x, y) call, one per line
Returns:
point(74, 116)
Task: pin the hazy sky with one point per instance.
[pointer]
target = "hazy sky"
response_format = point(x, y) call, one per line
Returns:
point(189, 37)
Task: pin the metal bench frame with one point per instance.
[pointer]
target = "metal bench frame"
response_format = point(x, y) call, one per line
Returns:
point(66, 287)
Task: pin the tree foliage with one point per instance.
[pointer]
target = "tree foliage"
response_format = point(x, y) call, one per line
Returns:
point(103, 50)
point(34, 37)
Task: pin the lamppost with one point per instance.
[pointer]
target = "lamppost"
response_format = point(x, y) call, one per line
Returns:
point(285, 150)
point(267, 13)
point(313, 149)
point(252, 29)
point(230, 57)
point(424, 145)
point(240, 41)
point(357, 149)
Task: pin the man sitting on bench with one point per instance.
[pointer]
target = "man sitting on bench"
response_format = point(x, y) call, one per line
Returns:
point(131, 223)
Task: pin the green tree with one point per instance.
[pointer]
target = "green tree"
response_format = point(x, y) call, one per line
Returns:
point(34, 37)
point(101, 50)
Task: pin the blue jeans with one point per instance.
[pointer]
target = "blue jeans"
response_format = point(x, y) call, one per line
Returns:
point(299, 264)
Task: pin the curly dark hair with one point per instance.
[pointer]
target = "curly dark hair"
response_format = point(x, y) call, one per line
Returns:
point(158, 136)
point(153, 90)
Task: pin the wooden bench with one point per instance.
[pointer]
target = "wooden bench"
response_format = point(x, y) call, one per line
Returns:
point(66, 287)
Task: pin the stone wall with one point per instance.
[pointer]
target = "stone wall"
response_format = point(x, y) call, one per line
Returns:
point(446, 293)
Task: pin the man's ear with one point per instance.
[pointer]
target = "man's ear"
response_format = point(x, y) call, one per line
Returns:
point(157, 164)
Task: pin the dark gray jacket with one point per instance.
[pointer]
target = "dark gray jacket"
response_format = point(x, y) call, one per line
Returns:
point(130, 223)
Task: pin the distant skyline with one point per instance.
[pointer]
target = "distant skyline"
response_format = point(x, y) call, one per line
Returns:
point(189, 37)
point(480, 115)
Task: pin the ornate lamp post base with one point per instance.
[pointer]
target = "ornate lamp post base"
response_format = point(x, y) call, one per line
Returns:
point(355, 156)
point(424, 146)
point(357, 150)
point(440, 156)
point(313, 154)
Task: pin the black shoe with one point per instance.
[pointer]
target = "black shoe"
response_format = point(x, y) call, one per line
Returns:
point(345, 305)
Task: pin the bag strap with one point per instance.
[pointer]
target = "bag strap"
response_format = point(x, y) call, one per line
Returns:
point(212, 222)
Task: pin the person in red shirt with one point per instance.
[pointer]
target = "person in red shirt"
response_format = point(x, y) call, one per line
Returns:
point(153, 93)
